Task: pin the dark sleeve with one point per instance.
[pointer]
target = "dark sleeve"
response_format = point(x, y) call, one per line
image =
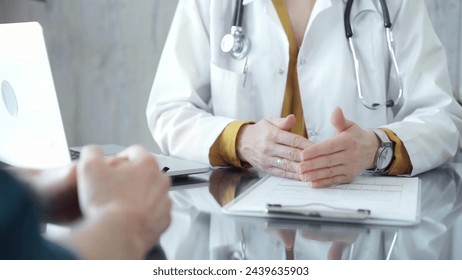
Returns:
point(20, 236)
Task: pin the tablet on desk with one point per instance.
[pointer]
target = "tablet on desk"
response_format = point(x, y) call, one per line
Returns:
point(171, 166)
point(179, 167)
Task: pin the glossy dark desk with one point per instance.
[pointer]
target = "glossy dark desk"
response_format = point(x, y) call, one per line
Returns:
point(199, 230)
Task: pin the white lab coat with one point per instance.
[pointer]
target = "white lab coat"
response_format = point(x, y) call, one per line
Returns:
point(199, 90)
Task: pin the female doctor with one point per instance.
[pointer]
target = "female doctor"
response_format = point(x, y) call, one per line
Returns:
point(300, 99)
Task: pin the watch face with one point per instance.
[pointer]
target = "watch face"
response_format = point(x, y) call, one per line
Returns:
point(385, 157)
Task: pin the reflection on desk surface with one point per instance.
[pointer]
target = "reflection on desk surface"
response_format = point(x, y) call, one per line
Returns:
point(199, 230)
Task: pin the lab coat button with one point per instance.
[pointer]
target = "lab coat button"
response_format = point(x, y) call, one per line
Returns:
point(281, 71)
point(302, 62)
point(312, 133)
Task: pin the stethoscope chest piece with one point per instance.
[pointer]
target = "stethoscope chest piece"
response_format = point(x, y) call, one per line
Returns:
point(236, 42)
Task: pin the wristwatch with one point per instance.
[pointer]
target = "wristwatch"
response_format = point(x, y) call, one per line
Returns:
point(385, 153)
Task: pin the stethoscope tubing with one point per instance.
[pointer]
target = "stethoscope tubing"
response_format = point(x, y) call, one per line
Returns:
point(347, 17)
point(239, 13)
point(389, 37)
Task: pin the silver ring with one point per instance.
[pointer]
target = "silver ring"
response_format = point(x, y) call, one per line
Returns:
point(279, 162)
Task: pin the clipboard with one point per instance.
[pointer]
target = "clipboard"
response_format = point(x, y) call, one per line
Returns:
point(329, 213)
point(382, 200)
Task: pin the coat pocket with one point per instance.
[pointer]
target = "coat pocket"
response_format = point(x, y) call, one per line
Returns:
point(231, 96)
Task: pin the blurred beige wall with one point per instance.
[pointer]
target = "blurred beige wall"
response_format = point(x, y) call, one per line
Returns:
point(104, 55)
point(447, 21)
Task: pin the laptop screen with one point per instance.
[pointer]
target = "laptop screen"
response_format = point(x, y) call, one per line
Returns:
point(31, 129)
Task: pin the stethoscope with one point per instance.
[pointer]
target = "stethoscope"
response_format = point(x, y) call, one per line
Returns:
point(238, 45)
point(236, 42)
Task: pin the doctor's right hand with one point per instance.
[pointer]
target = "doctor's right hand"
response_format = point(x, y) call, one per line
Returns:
point(270, 146)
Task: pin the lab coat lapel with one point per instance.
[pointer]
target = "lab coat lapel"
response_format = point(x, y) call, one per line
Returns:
point(271, 13)
point(319, 7)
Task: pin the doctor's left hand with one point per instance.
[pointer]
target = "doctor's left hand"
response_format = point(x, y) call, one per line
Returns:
point(340, 159)
point(270, 146)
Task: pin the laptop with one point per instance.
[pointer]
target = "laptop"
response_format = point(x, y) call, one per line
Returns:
point(171, 166)
point(31, 129)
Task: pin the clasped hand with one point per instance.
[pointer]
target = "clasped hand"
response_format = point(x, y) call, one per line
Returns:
point(270, 146)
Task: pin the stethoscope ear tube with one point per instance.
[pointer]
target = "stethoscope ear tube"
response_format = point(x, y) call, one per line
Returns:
point(346, 19)
point(386, 14)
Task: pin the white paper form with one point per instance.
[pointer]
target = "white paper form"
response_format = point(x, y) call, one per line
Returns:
point(391, 200)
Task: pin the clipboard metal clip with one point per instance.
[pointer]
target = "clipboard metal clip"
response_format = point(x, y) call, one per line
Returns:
point(307, 210)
